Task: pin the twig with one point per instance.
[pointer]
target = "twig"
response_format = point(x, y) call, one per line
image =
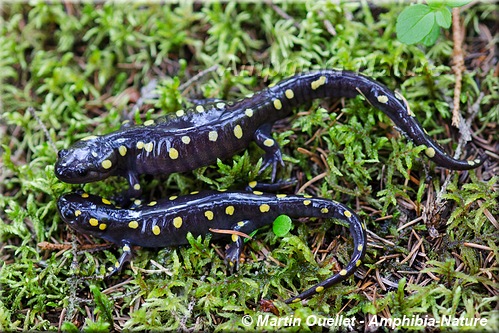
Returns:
point(458, 67)
point(439, 201)
point(44, 128)
point(283, 14)
point(196, 77)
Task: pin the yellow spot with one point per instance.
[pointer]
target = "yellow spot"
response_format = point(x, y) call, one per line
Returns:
point(249, 112)
point(257, 192)
point(307, 202)
point(133, 224)
point(358, 263)
point(316, 84)
point(347, 213)
point(85, 195)
point(173, 197)
point(126, 248)
point(93, 222)
point(280, 196)
point(324, 210)
point(209, 215)
point(149, 147)
point(194, 192)
point(117, 264)
point(102, 226)
point(106, 164)
point(240, 223)
point(122, 150)
point(430, 152)
point(307, 196)
point(238, 131)
point(213, 136)
point(234, 237)
point(199, 108)
point(229, 210)
point(177, 222)
point(360, 247)
point(148, 122)
point(152, 203)
point(77, 212)
point(289, 94)
point(277, 104)
point(136, 187)
point(140, 145)
point(156, 230)
point(268, 142)
point(264, 208)
point(180, 113)
point(252, 184)
point(319, 289)
point(296, 300)
point(105, 201)
point(343, 272)
point(173, 153)
point(382, 99)
point(137, 202)
point(222, 190)
point(220, 105)
point(471, 163)
point(91, 137)
point(185, 139)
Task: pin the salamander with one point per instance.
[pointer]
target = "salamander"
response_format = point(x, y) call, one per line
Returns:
point(204, 133)
point(166, 222)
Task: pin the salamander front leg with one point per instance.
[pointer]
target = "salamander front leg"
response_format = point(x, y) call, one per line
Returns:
point(125, 257)
point(233, 252)
point(134, 191)
point(273, 155)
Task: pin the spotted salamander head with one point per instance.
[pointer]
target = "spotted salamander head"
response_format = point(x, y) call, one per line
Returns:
point(88, 160)
point(86, 213)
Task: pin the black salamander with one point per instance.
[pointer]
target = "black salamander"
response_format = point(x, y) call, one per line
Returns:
point(167, 222)
point(200, 135)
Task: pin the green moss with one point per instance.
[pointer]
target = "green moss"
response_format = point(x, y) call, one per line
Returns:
point(81, 67)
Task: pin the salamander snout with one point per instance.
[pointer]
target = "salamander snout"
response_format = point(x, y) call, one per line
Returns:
point(86, 161)
point(66, 209)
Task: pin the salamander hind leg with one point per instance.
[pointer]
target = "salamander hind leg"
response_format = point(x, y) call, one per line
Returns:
point(124, 258)
point(233, 252)
point(273, 154)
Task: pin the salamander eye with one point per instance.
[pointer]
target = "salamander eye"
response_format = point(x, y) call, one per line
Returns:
point(62, 153)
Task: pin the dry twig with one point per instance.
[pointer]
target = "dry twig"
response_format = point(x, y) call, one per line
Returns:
point(458, 66)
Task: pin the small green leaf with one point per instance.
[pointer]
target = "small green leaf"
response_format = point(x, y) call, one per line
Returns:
point(431, 38)
point(443, 17)
point(457, 3)
point(282, 225)
point(435, 4)
point(414, 23)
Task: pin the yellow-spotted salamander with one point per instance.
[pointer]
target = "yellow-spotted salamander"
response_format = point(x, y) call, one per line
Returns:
point(167, 222)
point(200, 135)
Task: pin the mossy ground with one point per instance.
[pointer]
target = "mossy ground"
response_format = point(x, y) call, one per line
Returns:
point(81, 67)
